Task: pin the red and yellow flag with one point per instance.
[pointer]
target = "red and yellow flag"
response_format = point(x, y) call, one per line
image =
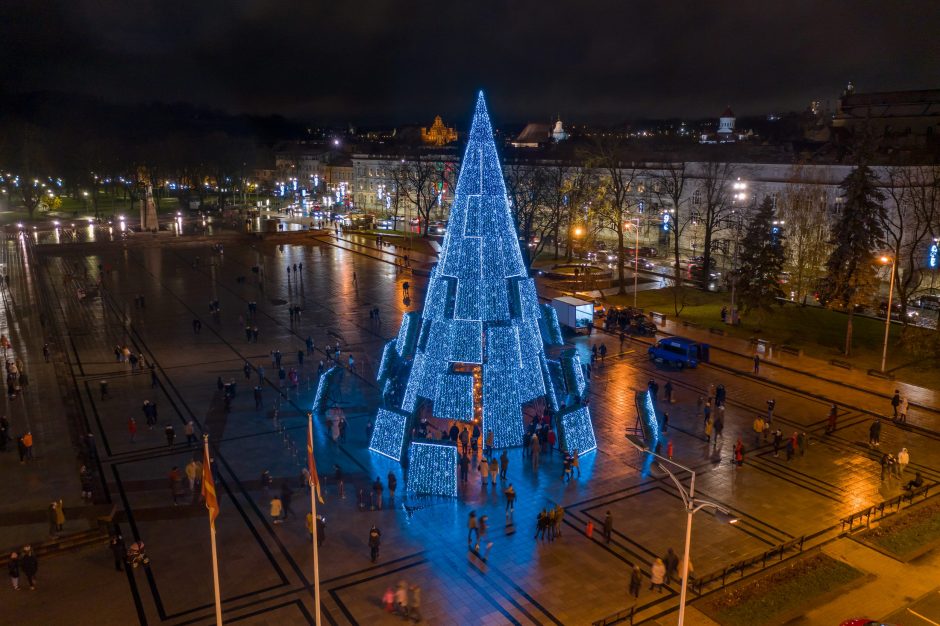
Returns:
point(208, 488)
point(311, 464)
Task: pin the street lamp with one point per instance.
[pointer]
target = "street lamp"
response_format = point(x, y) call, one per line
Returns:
point(692, 506)
point(635, 224)
point(884, 351)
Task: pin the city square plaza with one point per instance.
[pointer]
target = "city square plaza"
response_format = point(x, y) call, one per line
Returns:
point(266, 569)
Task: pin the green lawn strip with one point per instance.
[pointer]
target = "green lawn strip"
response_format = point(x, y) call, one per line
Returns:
point(907, 532)
point(786, 591)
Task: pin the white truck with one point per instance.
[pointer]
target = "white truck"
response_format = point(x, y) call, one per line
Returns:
point(576, 314)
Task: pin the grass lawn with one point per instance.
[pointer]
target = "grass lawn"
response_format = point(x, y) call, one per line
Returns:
point(818, 331)
point(907, 532)
point(781, 595)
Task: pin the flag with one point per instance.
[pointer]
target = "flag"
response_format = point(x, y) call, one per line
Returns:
point(311, 464)
point(208, 488)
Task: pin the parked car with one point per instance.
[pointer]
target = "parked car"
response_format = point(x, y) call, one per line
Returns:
point(679, 352)
point(928, 301)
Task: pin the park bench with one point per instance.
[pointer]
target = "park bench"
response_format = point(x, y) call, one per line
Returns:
point(658, 318)
point(717, 331)
point(791, 350)
point(838, 363)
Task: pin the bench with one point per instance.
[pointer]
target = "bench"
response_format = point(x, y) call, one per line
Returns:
point(791, 350)
point(689, 324)
point(843, 364)
point(717, 331)
point(880, 374)
point(658, 318)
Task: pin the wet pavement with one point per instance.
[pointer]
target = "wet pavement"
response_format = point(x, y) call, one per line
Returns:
point(266, 569)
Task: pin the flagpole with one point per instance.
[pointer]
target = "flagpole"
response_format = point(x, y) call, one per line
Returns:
point(313, 526)
point(215, 556)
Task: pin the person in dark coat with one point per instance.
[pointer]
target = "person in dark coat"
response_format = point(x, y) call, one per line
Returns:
point(671, 561)
point(30, 565)
point(13, 568)
point(119, 551)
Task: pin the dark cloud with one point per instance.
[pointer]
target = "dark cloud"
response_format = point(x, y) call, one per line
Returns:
point(407, 60)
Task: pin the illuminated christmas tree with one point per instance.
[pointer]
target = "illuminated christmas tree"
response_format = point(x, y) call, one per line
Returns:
point(477, 350)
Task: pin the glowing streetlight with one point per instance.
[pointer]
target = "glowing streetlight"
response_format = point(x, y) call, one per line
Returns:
point(884, 351)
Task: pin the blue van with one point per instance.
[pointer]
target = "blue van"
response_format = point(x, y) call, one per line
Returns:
point(679, 351)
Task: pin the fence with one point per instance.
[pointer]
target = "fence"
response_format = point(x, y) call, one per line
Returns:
point(883, 509)
point(794, 545)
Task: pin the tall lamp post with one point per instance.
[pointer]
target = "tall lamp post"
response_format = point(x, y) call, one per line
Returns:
point(691, 506)
point(634, 225)
point(884, 351)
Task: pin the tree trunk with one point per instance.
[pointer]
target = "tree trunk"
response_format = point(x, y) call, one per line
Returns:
point(848, 332)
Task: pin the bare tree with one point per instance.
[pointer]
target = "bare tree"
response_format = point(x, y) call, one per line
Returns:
point(714, 186)
point(803, 207)
point(528, 189)
point(908, 224)
point(579, 193)
point(555, 198)
point(618, 178)
point(420, 179)
point(670, 189)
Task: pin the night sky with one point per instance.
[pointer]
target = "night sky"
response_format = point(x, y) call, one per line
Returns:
point(373, 61)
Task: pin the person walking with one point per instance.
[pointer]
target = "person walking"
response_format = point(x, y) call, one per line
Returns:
point(488, 443)
point(377, 494)
point(28, 444)
point(550, 439)
point(831, 421)
point(29, 564)
point(464, 467)
point(902, 411)
point(484, 468)
point(176, 484)
point(801, 442)
point(118, 551)
point(503, 464)
point(636, 579)
point(286, 497)
point(51, 514)
point(874, 433)
point(510, 494)
point(375, 540)
point(132, 428)
point(896, 402)
point(190, 432)
point(738, 454)
point(671, 561)
point(756, 364)
point(473, 528)
point(464, 439)
point(494, 469)
point(416, 603)
point(657, 575)
point(668, 391)
point(59, 515)
point(401, 594)
point(904, 458)
point(791, 446)
point(535, 451)
point(170, 434)
point(13, 569)
point(276, 509)
point(608, 527)
point(778, 439)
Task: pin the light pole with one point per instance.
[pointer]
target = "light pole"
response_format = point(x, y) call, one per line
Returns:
point(692, 506)
point(739, 196)
point(636, 254)
point(884, 351)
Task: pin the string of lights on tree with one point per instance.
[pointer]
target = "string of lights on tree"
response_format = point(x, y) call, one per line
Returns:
point(482, 322)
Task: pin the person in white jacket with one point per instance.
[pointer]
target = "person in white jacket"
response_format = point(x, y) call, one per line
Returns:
point(903, 459)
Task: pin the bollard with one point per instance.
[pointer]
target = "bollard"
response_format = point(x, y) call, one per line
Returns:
point(589, 530)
